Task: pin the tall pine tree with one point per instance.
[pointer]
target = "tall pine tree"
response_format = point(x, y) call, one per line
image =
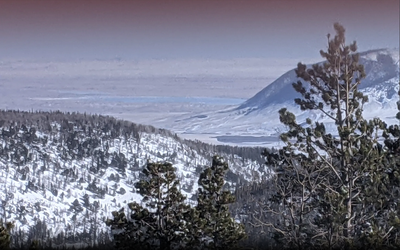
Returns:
point(167, 222)
point(325, 182)
point(220, 230)
point(161, 223)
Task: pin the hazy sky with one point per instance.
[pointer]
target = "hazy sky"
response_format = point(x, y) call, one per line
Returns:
point(96, 29)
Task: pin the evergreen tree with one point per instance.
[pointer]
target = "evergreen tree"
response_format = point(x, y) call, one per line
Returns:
point(162, 223)
point(5, 238)
point(326, 183)
point(167, 222)
point(219, 230)
point(386, 222)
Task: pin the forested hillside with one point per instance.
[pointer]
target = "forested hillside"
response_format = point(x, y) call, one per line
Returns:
point(62, 174)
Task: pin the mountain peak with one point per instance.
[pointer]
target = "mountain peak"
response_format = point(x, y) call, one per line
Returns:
point(256, 121)
point(380, 65)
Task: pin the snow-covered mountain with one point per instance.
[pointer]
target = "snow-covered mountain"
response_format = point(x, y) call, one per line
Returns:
point(61, 175)
point(258, 116)
point(381, 68)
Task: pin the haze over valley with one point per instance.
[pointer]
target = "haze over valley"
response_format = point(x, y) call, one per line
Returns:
point(151, 92)
point(161, 64)
point(207, 100)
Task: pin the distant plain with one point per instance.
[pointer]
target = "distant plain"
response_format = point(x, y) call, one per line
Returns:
point(147, 92)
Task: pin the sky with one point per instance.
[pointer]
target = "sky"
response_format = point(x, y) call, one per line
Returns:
point(216, 29)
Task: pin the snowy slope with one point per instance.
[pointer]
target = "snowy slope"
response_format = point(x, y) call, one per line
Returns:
point(258, 116)
point(380, 66)
point(71, 172)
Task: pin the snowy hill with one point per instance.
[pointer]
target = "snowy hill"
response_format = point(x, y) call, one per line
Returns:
point(256, 121)
point(381, 67)
point(61, 175)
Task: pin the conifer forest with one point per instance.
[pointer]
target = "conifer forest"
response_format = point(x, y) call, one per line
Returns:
point(73, 180)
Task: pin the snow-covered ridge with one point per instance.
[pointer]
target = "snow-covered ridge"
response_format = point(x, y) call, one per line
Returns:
point(71, 171)
point(380, 66)
point(258, 116)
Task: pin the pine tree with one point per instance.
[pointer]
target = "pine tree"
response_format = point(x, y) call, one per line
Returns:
point(165, 221)
point(386, 222)
point(220, 230)
point(5, 238)
point(162, 223)
point(325, 182)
